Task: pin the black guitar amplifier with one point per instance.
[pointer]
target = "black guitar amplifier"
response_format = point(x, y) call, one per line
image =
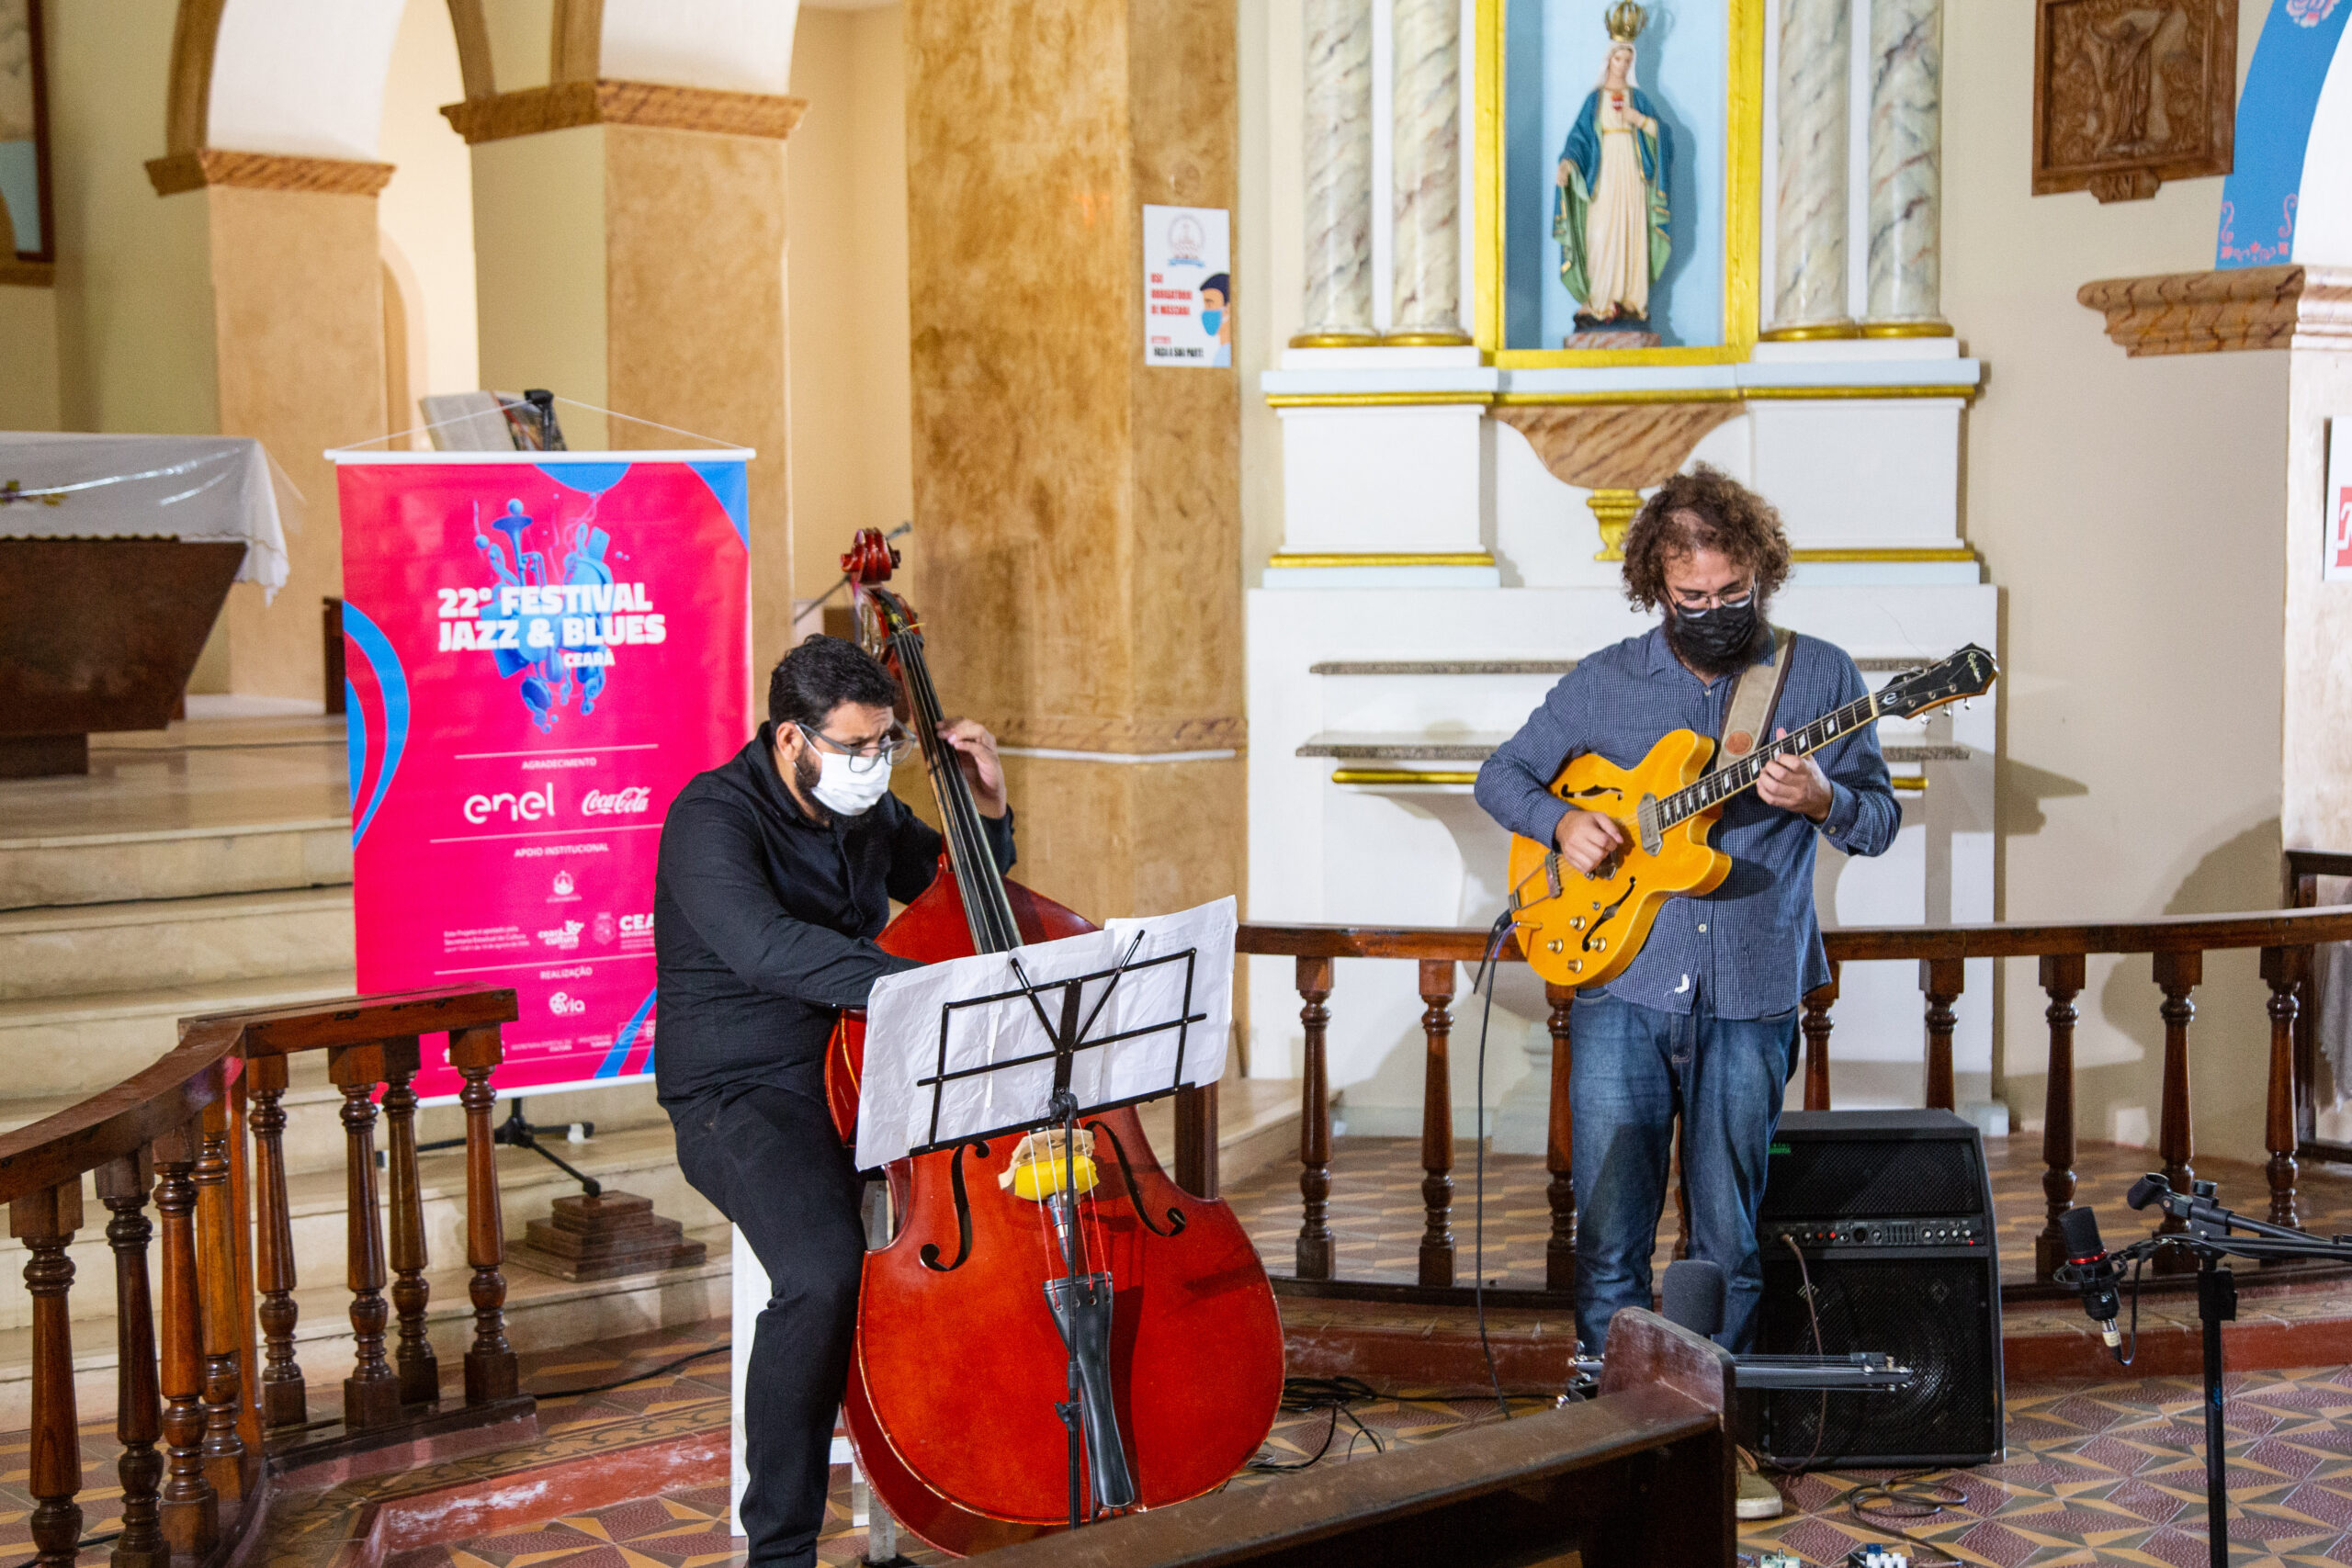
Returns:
point(1891, 1213)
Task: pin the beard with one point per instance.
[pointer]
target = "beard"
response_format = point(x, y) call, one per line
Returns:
point(805, 771)
point(1709, 651)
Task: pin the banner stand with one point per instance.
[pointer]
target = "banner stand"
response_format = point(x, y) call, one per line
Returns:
point(541, 649)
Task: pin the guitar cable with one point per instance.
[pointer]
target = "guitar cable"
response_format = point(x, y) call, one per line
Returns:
point(1496, 937)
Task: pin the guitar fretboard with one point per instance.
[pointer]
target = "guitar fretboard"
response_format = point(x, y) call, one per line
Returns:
point(1732, 777)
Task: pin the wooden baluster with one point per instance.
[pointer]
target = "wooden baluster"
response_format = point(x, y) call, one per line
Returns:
point(419, 1372)
point(191, 1509)
point(371, 1394)
point(1315, 1125)
point(1942, 979)
point(224, 1451)
point(138, 1411)
point(1559, 1150)
point(45, 1222)
point(241, 1208)
point(284, 1394)
point(491, 1371)
point(2284, 969)
point(1437, 1124)
point(1196, 1141)
point(2177, 974)
point(1816, 1027)
point(2061, 977)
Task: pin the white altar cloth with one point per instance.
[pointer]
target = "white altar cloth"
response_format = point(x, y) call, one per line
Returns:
point(66, 486)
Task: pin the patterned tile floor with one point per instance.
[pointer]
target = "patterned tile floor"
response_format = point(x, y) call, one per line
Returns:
point(1377, 1217)
point(2098, 1474)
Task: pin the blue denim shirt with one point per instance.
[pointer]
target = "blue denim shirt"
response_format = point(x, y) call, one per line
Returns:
point(1751, 948)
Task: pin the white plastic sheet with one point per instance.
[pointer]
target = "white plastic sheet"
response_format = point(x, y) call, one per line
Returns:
point(903, 1024)
point(179, 487)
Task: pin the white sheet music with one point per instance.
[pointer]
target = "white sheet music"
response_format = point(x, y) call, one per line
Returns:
point(894, 1111)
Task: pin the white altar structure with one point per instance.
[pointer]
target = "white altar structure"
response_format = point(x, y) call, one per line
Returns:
point(1455, 483)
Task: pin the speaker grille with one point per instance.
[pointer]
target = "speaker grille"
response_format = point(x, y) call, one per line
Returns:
point(1821, 1178)
point(1933, 1315)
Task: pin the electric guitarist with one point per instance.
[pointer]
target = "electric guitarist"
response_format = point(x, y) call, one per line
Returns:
point(1702, 1021)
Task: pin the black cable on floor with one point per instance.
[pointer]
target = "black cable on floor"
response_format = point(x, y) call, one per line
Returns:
point(1301, 1395)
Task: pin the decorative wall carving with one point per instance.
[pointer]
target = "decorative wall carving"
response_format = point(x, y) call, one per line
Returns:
point(2128, 93)
point(1615, 446)
point(2218, 313)
point(265, 171)
point(567, 104)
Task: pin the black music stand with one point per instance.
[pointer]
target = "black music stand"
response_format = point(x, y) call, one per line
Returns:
point(1080, 1302)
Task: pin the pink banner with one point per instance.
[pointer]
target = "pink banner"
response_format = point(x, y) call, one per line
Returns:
point(540, 654)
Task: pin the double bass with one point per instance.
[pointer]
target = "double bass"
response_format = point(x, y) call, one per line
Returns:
point(959, 1366)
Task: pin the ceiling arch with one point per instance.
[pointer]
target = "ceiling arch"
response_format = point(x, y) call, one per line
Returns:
point(304, 79)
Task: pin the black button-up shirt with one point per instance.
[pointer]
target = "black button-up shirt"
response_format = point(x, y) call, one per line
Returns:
point(765, 921)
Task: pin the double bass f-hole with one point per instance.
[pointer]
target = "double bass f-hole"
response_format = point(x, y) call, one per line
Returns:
point(930, 1253)
point(1135, 1194)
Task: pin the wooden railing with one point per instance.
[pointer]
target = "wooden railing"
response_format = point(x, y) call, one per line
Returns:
point(187, 1363)
point(2176, 945)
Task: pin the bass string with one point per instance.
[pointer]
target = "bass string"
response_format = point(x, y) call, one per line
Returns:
point(978, 877)
point(906, 643)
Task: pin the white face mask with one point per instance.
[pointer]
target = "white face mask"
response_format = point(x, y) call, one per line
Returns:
point(845, 792)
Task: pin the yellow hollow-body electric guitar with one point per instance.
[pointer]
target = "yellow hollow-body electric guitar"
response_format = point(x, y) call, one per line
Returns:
point(1579, 929)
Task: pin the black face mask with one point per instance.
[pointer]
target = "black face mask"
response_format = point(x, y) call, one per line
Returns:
point(1715, 641)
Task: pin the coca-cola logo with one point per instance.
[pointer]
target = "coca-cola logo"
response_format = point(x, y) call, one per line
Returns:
point(626, 802)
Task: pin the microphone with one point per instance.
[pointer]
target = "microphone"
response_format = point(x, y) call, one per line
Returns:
point(1691, 1296)
point(2094, 1271)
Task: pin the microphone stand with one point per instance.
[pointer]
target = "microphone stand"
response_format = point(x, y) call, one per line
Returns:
point(2209, 1236)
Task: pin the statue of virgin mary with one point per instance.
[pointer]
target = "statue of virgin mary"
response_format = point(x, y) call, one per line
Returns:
point(1611, 214)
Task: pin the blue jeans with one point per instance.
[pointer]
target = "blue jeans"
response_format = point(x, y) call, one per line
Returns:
point(1631, 1070)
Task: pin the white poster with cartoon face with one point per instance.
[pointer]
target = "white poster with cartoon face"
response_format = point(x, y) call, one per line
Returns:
point(1187, 285)
point(2335, 560)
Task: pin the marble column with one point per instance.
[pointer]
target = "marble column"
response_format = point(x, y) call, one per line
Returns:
point(1809, 230)
point(1427, 301)
point(629, 253)
point(1337, 145)
point(1906, 169)
point(1077, 511)
point(294, 268)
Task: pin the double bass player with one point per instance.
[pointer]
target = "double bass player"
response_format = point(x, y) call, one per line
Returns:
point(777, 870)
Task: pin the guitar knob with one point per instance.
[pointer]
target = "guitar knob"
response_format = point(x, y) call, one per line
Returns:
point(1599, 944)
point(1576, 922)
point(1576, 966)
point(1553, 945)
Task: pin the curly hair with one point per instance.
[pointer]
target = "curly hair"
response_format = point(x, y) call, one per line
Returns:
point(1729, 517)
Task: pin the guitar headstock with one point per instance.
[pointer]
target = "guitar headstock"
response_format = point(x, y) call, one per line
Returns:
point(1968, 673)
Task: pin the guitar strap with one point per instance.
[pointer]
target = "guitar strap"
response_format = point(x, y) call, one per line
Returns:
point(1749, 717)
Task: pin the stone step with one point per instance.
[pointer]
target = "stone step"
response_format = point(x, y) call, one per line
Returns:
point(71, 1046)
point(541, 1311)
point(92, 949)
point(173, 863)
point(641, 1159)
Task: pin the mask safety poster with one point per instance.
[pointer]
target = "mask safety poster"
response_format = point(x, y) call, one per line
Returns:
point(539, 655)
point(1187, 285)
